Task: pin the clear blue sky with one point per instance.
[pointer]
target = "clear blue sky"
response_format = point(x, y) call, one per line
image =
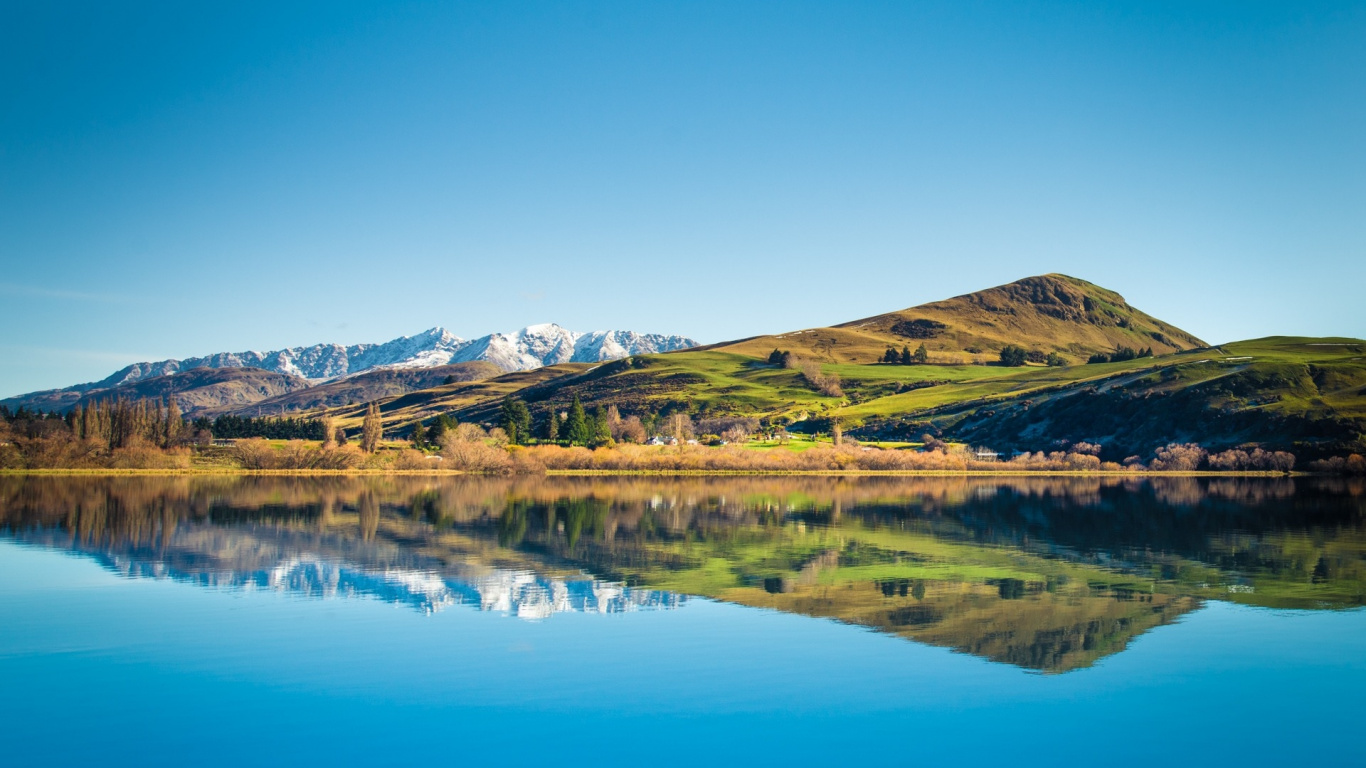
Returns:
point(184, 178)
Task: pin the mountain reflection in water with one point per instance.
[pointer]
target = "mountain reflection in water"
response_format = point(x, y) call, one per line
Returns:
point(1049, 574)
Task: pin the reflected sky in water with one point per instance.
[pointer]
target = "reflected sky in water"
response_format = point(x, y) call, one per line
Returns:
point(271, 620)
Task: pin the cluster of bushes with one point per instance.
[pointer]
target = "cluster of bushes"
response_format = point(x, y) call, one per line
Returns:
point(257, 453)
point(1352, 464)
point(688, 458)
point(484, 457)
point(827, 384)
point(1015, 356)
point(1190, 457)
point(475, 450)
point(906, 357)
point(1120, 355)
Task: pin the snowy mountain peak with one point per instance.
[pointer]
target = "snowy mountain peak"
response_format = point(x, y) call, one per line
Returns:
point(540, 329)
point(531, 347)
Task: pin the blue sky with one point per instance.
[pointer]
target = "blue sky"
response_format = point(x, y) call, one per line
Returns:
point(184, 178)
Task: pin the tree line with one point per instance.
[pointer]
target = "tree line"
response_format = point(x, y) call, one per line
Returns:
point(269, 427)
point(906, 357)
point(1120, 355)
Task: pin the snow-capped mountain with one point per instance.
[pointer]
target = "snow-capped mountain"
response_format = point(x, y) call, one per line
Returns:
point(531, 347)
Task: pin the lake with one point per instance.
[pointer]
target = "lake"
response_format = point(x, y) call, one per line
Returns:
point(225, 620)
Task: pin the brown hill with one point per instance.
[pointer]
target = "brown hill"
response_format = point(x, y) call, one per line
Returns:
point(1051, 313)
point(202, 390)
point(364, 387)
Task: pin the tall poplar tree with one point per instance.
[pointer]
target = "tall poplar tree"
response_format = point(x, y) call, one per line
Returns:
point(371, 430)
point(175, 423)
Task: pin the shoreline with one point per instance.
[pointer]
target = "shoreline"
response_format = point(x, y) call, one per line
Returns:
point(230, 472)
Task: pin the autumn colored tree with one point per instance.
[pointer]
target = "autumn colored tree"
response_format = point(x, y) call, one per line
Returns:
point(371, 429)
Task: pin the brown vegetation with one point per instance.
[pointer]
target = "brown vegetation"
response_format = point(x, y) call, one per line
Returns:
point(256, 453)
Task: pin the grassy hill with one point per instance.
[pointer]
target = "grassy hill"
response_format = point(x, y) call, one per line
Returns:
point(1300, 394)
point(1050, 313)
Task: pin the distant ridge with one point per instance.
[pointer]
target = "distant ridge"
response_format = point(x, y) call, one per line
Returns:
point(531, 347)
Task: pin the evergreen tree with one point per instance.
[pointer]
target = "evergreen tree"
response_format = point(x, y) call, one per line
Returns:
point(515, 419)
point(419, 435)
point(576, 427)
point(921, 355)
point(443, 424)
point(890, 355)
point(905, 355)
point(601, 428)
point(371, 429)
point(550, 429)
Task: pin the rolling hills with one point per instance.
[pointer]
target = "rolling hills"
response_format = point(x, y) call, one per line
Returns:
point(1305, 395)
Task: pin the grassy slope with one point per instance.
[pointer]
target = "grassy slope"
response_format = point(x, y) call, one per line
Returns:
point(1293, 393)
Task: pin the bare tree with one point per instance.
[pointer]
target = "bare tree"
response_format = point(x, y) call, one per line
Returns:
point(627, 430)
point(680, 427)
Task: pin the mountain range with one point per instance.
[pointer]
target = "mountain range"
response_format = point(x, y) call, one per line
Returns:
point(297, 368)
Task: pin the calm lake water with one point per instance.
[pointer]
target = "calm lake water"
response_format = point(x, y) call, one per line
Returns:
point(757, 621)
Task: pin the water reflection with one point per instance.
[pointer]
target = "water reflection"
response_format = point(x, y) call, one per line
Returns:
point(1045, 573)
